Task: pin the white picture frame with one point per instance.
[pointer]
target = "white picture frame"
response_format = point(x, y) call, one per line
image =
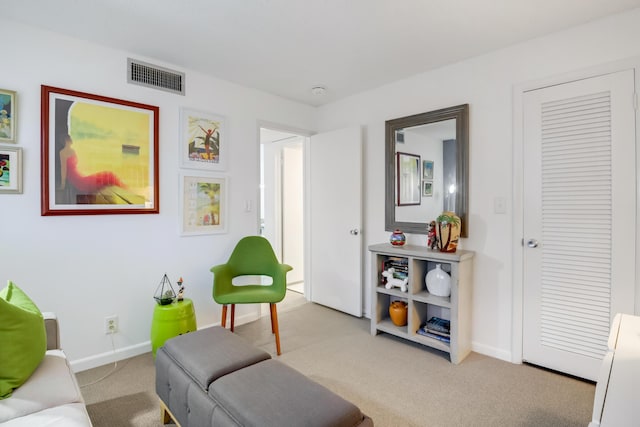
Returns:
point(10, 170)
point(203, 140)
point(203, 204)
point(8, 116)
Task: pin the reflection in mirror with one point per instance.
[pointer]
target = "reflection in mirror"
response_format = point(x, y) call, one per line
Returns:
point(438, 142)
point(408, 179)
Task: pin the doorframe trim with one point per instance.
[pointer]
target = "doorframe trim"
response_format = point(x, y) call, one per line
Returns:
point(518, 184)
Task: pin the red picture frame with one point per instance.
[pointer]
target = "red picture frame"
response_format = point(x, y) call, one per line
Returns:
point(99, 155)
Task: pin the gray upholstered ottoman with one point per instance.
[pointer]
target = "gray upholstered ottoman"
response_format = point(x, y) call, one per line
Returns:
point(213, 377)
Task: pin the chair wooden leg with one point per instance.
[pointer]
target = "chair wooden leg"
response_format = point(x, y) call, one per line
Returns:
point(233, 316)
point(274, 325)
point(273, 328)
point(223, 322)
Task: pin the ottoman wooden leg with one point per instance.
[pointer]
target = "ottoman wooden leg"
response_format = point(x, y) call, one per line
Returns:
point(166, 416)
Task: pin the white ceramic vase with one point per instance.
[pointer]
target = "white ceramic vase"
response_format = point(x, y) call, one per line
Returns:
point(438, 282)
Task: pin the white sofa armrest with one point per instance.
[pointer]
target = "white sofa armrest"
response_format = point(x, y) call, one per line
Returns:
point(53, 331)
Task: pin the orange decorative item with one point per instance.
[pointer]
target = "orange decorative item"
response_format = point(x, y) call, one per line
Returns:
point(448, 231)
point(398, 313)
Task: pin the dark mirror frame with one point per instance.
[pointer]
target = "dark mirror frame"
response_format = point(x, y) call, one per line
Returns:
point(461, 114)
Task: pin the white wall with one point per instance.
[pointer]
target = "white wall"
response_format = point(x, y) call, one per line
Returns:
point(486, 83)
point(87, 267)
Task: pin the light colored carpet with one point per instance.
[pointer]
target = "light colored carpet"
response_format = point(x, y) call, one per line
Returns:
point(395, 382)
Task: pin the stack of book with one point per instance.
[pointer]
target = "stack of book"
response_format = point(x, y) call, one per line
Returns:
point(436, 328)
point(399, 264)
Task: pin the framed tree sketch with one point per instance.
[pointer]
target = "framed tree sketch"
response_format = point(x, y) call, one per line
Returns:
point(203, 201)
point(8, 116)
point(427, 188)
point(99, 155)
point(10, 170)
point(203, 142)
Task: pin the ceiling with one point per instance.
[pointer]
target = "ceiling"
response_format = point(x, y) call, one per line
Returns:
point(286, 47)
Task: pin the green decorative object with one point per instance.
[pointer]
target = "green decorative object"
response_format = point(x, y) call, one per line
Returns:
point(171, 320)
point(23, 339)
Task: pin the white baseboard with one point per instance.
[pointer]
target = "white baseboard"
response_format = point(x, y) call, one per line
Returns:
point(136, 349)
point(110, 356)
point(494, 352)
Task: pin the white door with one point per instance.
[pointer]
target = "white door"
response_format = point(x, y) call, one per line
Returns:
point(335, 215)
point(579, 219)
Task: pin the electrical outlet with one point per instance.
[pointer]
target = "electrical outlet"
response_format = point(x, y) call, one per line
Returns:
point(111, 324)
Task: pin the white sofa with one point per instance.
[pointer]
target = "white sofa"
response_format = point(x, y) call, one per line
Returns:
point(51, 396)
point(615, 403)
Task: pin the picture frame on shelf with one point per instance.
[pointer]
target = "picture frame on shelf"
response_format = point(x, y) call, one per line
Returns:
point(10, 170)
point(99, 155)
point(427, 188)
point(427, 169)
point(203, 204)
point(203, 140)
point(8, 116)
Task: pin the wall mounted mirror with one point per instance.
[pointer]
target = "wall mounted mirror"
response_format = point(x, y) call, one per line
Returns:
point(438, 142)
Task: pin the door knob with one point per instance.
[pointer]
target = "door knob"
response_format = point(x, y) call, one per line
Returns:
point(354, 232)
point(532, 243)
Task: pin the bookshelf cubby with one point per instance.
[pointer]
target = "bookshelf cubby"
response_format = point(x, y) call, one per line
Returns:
point(421, 304)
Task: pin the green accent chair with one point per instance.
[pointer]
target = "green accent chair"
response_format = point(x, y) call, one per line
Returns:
point(252, 256)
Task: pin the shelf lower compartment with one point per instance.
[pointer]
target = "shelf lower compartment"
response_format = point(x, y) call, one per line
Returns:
point(388, 327)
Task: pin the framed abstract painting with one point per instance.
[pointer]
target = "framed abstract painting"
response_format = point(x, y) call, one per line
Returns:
point(203, 141)
point(99, 155)
point(203, 201)
point(10, 170)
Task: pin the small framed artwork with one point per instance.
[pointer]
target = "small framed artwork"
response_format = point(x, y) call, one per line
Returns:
point(427, 188)
point(99, 155)
point(10, 170)
point(202, 140)
point(8, 116)
point(203, 205)
point(427, 169)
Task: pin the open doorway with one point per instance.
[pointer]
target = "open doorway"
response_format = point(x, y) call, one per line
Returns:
point(282, 199)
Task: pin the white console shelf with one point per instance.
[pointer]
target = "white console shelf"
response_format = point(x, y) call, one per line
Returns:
point(421, 304)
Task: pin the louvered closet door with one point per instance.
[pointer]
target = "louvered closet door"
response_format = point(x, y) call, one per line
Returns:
point(579, 219)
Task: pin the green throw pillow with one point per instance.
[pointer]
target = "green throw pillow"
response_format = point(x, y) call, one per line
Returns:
point(23, 338)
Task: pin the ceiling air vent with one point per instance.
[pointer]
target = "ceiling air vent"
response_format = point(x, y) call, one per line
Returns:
point(144, 74)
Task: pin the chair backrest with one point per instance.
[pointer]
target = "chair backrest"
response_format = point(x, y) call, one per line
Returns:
point(253, 255)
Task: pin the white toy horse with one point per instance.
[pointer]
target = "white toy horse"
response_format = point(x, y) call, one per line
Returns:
point(394, 282)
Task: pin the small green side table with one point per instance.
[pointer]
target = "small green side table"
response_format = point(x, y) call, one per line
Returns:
point(170, 321)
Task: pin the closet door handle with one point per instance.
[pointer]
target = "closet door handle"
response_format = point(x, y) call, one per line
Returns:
point(532, 243)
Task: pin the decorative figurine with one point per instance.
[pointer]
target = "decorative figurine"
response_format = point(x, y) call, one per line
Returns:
point(395, 282)
point(448, 231)
point(180, 289)
point(397, 238)
point(432, 238)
